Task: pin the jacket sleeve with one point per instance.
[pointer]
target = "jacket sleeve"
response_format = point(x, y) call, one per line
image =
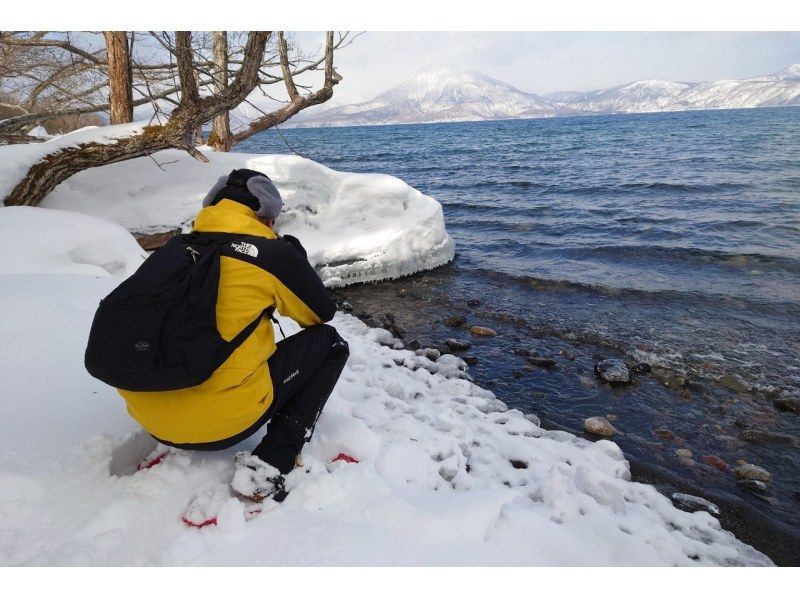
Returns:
point(299, 292)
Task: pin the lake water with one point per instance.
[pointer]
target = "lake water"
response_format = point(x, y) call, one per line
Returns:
point(670, 239)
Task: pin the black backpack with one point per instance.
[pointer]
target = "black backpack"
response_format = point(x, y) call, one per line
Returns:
point(157, 330)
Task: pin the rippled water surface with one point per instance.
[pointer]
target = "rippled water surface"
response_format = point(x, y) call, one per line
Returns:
point(672, 239)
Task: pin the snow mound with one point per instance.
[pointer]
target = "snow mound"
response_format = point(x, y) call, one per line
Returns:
point(36, 240)
point(446, 474)
point(356, 227)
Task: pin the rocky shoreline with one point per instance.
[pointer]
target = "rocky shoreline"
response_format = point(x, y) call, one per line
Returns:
point(420, 318)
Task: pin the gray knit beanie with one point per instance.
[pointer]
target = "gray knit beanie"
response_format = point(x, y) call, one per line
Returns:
point(251, 188)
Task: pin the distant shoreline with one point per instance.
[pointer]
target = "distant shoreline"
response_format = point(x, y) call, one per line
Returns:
point(548, 117)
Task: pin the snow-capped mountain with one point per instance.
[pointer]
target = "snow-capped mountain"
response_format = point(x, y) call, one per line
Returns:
point(655, 95)
point(779, 89)
point(436, 94)
point(651, 95)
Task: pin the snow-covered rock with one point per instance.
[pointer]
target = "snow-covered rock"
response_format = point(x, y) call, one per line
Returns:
point(356, 227)
point(39, 131)
point(446, 473)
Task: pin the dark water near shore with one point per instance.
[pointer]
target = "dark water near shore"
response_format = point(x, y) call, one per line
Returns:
point(670, 239)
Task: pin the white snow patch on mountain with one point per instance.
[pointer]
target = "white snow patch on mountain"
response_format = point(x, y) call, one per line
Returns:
point(779, 89)
point(436, 94)
point(651, 95)
point(441, 94)
point(446, 473)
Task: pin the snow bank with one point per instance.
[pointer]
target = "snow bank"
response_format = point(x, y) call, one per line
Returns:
point(36, 240)
point(356, 227)
point(447, 475)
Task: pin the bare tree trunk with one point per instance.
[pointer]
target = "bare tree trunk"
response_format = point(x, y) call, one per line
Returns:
point(220, 138)
point(120, 77)
point(192, 111)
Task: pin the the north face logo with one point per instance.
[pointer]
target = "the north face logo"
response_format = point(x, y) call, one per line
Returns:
point(245, 248)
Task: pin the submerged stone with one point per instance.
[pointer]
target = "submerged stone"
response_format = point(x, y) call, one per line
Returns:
point(733, 382)
point(695, 503)
point(482, 331)
point(755, 486)
point(613, 371)
point(457, 345)
point(765, 436)
point(454, 321)
point(748, 471)
point(787, 404)
point(641, 368)
point(715, 461)
point(599, 425)
point(542, 362)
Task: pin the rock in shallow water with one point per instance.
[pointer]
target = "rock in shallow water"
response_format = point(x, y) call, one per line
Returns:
point(755, 486)
point(748, 471)
point(683, 452)
point(765, 436)
point(454, 321)
point(613, 371)
point(715, 461)
point(733, 382)
point(664, 433)
point(695, 503)
point(482, 331)
point(457, 345)
point(542, 362)
point(641, 368)
point(598, 425)
point(787, 404)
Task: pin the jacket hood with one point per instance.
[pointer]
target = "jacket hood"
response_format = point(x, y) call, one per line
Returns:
point(229, 216)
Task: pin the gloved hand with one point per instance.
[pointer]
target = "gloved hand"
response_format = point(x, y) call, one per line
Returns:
point(295, 242)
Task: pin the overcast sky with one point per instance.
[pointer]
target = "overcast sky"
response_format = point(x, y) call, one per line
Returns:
point(546, 62)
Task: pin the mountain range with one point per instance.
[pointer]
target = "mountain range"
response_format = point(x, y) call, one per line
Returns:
point(447, 94)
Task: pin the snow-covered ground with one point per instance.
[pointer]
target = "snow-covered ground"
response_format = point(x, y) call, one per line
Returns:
point(356, 227)
point(447, 475)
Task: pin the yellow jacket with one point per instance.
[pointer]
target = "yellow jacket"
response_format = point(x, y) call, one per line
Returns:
point(261, 273)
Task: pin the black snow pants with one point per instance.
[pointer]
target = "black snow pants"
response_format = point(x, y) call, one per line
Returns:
point(304, 369)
